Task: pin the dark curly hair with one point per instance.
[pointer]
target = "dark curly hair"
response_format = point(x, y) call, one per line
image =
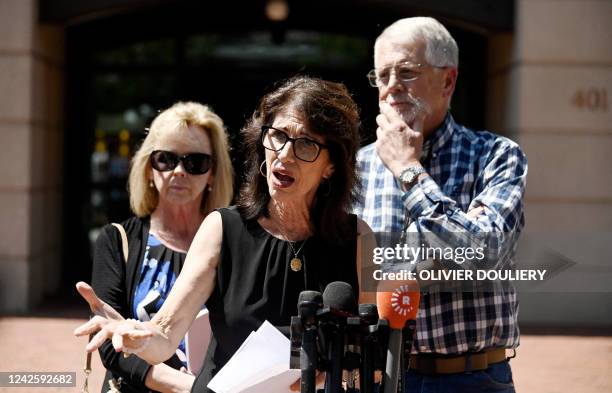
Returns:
point(329, 111)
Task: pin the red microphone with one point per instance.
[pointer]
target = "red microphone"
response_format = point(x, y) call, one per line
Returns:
point(398, 307)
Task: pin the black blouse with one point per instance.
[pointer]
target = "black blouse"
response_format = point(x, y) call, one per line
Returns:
point(115, 282)
point(254, 283)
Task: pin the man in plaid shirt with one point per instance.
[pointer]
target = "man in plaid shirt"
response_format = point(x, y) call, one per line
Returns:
point(427, 173)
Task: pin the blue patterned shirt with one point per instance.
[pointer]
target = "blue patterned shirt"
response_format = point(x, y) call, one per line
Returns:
point(465, 170)
point(158, 273)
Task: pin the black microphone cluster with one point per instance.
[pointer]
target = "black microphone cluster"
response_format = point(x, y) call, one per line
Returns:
point(331, 333)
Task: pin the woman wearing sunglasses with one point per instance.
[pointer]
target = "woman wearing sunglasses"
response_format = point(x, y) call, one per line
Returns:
point(290, 231)
point(179, 175)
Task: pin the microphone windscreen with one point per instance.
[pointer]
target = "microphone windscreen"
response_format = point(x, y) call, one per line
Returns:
point(400, 305)
point(310, 297)
point(339, 295)
point(308, 304)
point(368, 312)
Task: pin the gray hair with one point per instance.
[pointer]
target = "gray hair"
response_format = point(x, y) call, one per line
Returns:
point(441, 48)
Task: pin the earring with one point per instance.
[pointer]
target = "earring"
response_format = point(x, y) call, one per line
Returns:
point(261, 169)
point(328, 191)
point(209, 188)
point(151, 184)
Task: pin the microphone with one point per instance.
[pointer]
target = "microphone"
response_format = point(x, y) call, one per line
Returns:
point(397, 307)
point(368, 314)
point(309, 302)
point(339, 299)
point(339, 304)
point(361, 336)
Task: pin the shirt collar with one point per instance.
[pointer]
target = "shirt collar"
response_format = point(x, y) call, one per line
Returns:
point(439, 137)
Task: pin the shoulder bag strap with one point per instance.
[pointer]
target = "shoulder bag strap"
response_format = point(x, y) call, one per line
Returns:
point(87, 369)
point(124, 241)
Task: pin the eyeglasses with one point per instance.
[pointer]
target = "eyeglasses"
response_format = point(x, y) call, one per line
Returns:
point(303, 148)
point(194, 163)
point(405, 72)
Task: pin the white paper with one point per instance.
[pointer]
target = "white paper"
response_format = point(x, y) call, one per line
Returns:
point(279, 382)
point(261, 364)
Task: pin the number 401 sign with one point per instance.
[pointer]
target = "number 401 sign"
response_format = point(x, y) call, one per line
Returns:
point(592, 99)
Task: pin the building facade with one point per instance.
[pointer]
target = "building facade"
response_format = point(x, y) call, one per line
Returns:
point(537, 71)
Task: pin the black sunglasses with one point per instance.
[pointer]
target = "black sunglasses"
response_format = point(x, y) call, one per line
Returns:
point(194, 163)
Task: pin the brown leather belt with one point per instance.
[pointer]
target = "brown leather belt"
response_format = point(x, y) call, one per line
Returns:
point(431, 364)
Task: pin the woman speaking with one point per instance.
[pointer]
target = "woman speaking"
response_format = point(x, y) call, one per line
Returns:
point(290, 231)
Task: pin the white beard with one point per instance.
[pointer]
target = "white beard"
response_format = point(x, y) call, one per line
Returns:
point(417, 107)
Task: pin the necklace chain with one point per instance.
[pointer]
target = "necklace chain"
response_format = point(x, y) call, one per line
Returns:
point(295, 254)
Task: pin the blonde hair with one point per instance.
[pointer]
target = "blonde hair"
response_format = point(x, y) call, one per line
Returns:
point(144, 199)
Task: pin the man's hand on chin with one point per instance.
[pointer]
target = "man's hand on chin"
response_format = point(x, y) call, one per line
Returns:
point(398, 144)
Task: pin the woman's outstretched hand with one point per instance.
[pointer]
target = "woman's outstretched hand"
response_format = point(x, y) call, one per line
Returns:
point(127, 335)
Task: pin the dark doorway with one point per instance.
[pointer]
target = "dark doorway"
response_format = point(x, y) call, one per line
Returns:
point(122, 69)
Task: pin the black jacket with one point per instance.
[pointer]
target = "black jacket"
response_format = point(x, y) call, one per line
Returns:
point(115, 283)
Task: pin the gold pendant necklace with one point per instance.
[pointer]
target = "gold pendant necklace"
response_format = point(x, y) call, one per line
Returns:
point(296, 263)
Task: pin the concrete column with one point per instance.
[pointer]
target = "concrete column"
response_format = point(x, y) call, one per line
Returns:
point(31, 112)
point(550, 88)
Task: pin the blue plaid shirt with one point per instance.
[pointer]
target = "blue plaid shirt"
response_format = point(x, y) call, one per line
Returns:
point(466, 169)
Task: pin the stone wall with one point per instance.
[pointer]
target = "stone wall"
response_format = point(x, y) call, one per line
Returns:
point(550, 87)
point(31, 137)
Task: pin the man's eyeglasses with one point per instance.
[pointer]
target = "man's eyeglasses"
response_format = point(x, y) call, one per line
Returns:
point(405, 72)
point(303, 148)
point(194, 163)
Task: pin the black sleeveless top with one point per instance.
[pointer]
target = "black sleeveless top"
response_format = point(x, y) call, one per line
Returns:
point(254, 283)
